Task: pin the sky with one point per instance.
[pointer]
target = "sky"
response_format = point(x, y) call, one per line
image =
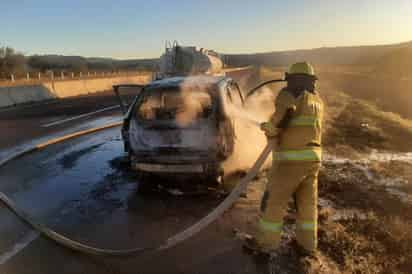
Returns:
point(138, 29)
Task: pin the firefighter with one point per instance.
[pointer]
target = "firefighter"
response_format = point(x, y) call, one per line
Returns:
point(296, 125)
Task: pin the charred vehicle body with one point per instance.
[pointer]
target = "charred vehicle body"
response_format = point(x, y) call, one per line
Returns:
point(181, 125)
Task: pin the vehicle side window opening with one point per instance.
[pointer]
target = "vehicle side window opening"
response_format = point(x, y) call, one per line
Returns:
point(229, 94)
point(127, 94)
point(234, 95)
point(182, 106)
point(238, 92)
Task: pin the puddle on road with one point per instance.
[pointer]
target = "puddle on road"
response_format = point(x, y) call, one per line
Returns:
point(77, 185)
point(60, 172)
point(69, 160)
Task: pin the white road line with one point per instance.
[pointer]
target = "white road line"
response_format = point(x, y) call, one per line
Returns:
point(79, 116)
point(25, 241)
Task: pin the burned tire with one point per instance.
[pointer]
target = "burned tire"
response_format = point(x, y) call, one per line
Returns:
point(213, 174)
point(145, 183)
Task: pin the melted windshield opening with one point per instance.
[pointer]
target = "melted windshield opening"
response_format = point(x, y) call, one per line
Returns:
point(183, 107)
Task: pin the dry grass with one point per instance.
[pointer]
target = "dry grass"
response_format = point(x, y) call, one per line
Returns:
point(388, 93)
point(378, 238)
point(361, 124)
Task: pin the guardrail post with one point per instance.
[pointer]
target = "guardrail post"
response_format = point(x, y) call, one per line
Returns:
point(28, 76)
point(88, 74)
point(52, 75)
point(12, 77)
point(39, 76)
point(80, 74)
point(62, 74)
point(72, 75)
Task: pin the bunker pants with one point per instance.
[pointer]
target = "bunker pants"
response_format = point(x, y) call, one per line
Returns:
point(285, 180)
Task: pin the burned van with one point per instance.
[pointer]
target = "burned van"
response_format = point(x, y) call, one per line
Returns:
point(181, 125)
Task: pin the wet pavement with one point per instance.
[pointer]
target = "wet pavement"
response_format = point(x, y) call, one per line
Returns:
point(81, 189)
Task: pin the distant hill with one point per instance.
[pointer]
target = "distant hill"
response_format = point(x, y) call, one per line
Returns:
point(359, 55)
point(392, 56)
point(397, 63)
point(79, 63)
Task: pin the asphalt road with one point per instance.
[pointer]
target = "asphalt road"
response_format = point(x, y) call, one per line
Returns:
point(81, 189)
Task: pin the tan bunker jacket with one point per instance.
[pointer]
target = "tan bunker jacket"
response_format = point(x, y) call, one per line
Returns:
point(300, 139)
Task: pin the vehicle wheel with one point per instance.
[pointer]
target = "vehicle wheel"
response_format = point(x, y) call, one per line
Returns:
point(145, 184)
point(126, 161)
point(214, 176)
point(211, 180)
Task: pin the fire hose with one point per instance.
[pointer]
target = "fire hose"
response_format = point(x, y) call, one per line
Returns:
point(253, 91)
point(163, 245)
point(168, 243)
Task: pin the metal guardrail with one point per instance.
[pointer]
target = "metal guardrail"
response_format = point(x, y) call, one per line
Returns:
point(36, 78)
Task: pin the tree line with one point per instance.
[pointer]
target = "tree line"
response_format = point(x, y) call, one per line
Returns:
point(16, 63)
point(11, 62)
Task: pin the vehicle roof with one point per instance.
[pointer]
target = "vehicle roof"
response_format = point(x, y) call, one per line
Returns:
point(204, 82)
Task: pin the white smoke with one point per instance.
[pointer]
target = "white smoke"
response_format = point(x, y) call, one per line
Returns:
point(250, 140)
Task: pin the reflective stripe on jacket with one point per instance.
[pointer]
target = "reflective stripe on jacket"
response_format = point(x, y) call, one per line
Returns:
point(304, 120)
point(313, 154)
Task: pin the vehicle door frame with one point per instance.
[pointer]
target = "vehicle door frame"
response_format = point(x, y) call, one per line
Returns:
point(123, 106)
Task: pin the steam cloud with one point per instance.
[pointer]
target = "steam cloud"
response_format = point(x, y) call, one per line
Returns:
point(250, 140)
